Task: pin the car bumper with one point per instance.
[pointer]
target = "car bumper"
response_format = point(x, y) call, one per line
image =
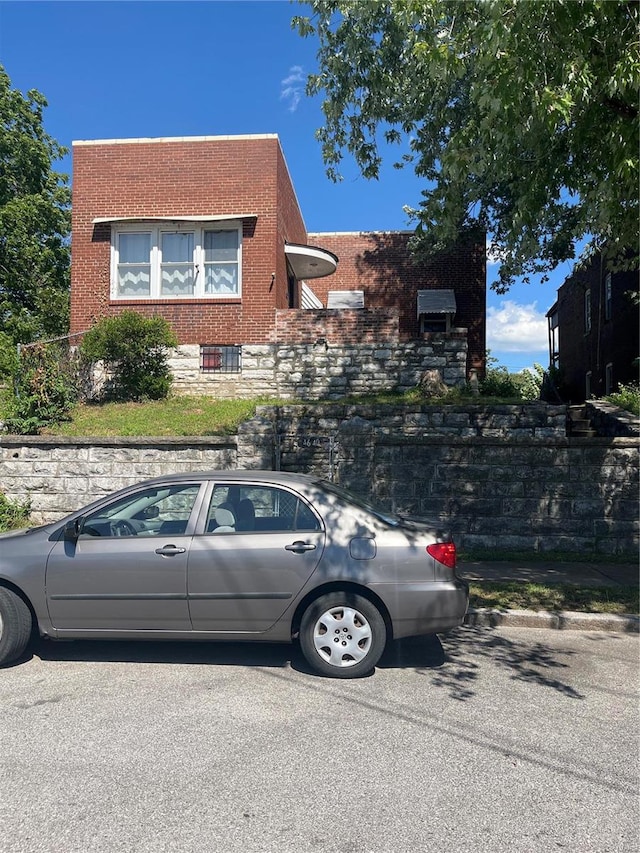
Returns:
point(424, 608)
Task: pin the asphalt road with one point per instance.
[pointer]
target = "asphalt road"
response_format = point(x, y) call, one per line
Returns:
point(485, 740)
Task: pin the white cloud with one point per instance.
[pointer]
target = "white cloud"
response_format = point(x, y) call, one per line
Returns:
point(513, 327)
point(292, 87)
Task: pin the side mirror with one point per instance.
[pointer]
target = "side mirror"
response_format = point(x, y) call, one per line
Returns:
point(72, 529)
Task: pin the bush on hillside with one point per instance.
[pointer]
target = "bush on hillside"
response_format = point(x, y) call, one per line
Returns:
point(44, 388)
point(627, 397)
point(134, 350)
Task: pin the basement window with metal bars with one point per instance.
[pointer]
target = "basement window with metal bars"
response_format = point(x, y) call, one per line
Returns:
point(220, 359)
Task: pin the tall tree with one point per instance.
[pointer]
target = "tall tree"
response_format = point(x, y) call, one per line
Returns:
point(522, 117)
point(34, 221)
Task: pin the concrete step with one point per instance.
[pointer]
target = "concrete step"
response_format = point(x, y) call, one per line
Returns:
point(578, 424)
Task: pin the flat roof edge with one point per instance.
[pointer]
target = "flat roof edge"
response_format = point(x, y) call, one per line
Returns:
point(359, 233)
point(158, 139)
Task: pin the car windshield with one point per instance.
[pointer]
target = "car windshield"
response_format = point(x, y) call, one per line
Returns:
point(351, 497)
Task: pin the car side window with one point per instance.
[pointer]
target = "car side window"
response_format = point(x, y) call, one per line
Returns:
point(158, 511)
point(247, 508)
point(305, 519)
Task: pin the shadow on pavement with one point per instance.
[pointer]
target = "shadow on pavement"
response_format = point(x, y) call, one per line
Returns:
point(167, 652)
point(526, 661)
point(411, 653)
point(452, 663)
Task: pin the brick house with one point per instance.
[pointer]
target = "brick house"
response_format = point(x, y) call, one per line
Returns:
point(593, 331)
point(208, 232)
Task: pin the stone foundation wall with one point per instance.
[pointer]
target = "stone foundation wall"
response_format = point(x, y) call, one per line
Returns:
point(322, 370)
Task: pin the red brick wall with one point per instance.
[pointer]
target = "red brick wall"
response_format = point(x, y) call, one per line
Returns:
point(379, 263)
point(186, 177)
point(336, 326)
point(291, 229)
point(247, 175)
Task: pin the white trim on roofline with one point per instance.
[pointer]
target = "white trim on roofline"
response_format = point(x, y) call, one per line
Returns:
point(153, 139)
point(360, 233)
point(223, 217)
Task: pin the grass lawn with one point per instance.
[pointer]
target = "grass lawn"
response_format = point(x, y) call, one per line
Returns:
point(518, 595)
point(196, 416)
point(173, 416)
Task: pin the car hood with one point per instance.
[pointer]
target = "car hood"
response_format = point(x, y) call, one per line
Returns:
point(27, 531)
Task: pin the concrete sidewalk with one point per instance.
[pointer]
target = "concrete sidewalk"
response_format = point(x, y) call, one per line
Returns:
point(582, 574)
point(587, 574)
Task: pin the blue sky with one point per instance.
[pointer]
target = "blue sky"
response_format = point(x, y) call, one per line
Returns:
point(146, 69)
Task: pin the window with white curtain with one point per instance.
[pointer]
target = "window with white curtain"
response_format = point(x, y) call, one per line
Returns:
point(220, 262)
point(177, 265)
point(162, 261)
point(134, 264)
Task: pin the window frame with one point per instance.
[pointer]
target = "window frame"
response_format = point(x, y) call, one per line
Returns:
point(608, 378)
point(228, 357)
point(131, 508)
point(608, 296)
point(157, 229)
point(235, 491)
point(587, 310)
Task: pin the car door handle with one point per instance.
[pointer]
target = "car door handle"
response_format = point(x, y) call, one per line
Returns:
point(299, 547)
point(170, 551)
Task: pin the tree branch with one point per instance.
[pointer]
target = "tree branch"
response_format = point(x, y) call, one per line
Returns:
point(621, 108)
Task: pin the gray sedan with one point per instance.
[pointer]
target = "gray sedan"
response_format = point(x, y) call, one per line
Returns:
point(232, 555)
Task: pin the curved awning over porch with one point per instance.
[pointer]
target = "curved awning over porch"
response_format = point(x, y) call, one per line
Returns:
point(310, 261)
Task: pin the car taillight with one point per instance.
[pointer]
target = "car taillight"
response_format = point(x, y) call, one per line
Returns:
point(443, 552)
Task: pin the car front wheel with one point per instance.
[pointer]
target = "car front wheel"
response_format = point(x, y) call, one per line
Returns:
point(342, 635)
point(15, 625)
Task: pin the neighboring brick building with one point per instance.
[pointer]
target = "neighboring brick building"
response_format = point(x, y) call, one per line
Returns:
point(207, 232)
point(380, 264)
point(593, 332)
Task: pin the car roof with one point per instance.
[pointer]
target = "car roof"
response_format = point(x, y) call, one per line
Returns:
point(241, 475)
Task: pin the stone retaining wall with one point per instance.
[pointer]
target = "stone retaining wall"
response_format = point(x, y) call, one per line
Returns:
point(60, 475)
point(541, 495)
point(524, 420)
point(502, 477)
point(534, 490)
point(610, 420)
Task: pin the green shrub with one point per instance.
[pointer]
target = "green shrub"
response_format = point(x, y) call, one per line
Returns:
point(627, 397)
point(13, 514)
point(134, 350)
point(8, 358)
point(45, 389)
point(499, 383)
point(532, 382)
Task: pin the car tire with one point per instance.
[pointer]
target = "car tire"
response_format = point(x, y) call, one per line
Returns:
point(342, 635)
point(15, 626)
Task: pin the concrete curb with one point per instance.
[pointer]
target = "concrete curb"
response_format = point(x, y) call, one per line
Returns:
point(562, 620)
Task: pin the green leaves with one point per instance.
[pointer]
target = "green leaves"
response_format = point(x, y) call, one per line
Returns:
point(45, 383)
point(34, 221)
point(522, 117)
point(134, 349)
